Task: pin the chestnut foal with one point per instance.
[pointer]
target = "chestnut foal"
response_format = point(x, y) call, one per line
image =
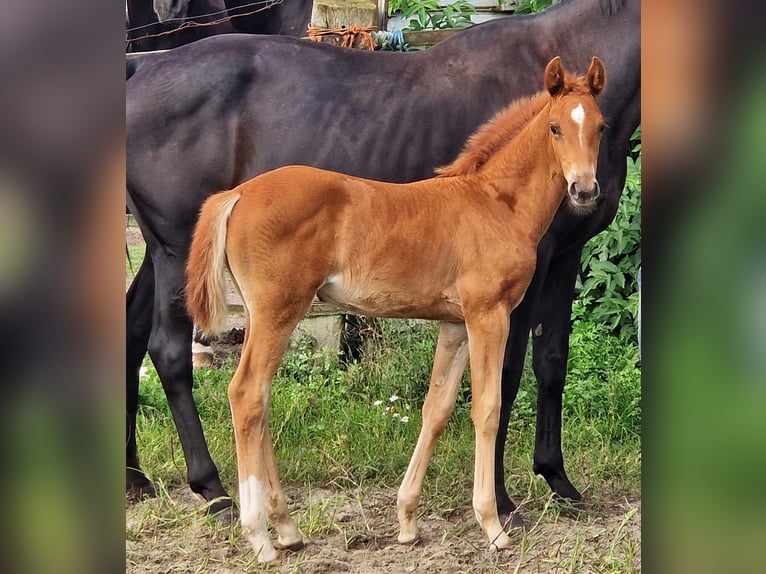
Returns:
point(459, 249)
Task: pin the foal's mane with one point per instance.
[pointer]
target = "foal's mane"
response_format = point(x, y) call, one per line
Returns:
point(503, 127)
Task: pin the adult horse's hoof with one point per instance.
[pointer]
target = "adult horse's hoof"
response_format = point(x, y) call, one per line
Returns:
point(512, 521)
point(570, 506)
point(223, 510)
point(137, 486)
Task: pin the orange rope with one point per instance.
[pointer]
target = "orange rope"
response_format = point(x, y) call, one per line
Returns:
point(347, 35)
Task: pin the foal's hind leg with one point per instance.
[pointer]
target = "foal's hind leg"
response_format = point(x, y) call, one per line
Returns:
point(261, 494)
point(449, 364)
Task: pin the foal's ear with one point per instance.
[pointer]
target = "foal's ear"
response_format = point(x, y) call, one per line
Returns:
point(554, 76)
point(596, 76)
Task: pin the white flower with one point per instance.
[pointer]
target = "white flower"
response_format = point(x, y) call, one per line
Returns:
point(377, 403)
point(143, 372)
point(393, 398)
point(405, 419)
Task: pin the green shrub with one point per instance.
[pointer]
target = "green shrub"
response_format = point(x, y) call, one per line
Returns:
point(532, 6)
point(428, 14)
point(606, 290)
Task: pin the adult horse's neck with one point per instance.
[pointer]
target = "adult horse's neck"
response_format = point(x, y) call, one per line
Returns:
point(576, 30)
point(505, 50)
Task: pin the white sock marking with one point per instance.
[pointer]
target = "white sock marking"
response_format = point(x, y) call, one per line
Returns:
point(252, 513)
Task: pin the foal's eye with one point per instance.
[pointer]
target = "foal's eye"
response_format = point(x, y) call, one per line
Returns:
point(602, 128)
point(555, 130)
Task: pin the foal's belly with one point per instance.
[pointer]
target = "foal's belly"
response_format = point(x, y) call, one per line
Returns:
point(382, 299)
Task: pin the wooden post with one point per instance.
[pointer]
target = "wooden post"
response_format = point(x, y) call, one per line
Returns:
point(333, 20)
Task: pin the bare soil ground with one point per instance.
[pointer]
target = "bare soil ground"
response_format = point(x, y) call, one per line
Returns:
point(355, 532)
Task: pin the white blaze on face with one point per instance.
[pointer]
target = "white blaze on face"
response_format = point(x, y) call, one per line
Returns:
point(578, 115)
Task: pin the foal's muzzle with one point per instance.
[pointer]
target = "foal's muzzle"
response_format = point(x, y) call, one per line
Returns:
point(584, 193)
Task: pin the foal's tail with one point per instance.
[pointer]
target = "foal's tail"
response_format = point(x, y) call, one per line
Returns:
point(205, 278)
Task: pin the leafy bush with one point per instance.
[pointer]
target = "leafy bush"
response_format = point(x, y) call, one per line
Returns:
point(603, 386)
point(606, 290)
point(428, 14)
point(532, 6)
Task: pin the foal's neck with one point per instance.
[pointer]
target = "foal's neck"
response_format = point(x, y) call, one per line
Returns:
point(526, 176)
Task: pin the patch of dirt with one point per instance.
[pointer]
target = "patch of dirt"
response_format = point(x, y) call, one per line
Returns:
point(355, 532)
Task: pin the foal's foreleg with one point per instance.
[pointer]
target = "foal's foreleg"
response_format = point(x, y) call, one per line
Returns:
point(261, 495)
point(449, 363)
point(487, 334)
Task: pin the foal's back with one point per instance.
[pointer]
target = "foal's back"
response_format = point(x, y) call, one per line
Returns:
point(336, 234)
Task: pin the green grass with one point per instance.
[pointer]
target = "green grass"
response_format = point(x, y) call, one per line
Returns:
point(357, 427)
point(133, 259)
point(341, 443)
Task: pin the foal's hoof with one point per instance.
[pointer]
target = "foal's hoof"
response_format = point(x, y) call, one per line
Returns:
point(409, 540)
point(501, 543)
point(512, 521)
point(292, 547)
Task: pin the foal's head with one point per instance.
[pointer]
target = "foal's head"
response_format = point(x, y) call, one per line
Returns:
point(576, 125)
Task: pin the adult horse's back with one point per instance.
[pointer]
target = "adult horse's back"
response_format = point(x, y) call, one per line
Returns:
point(250, 104)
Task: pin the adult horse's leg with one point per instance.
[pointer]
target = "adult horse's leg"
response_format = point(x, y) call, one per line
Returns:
point(551, 325)
point(513, 365)
point(170, 350)
point(139, 302)
point(449, 364)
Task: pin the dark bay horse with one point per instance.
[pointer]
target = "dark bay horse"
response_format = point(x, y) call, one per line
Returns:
point(250, 104)
point(164, 24)
point(459, 249)
point(284, 17)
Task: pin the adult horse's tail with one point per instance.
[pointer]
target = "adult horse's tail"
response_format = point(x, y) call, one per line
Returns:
point(205, 278)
